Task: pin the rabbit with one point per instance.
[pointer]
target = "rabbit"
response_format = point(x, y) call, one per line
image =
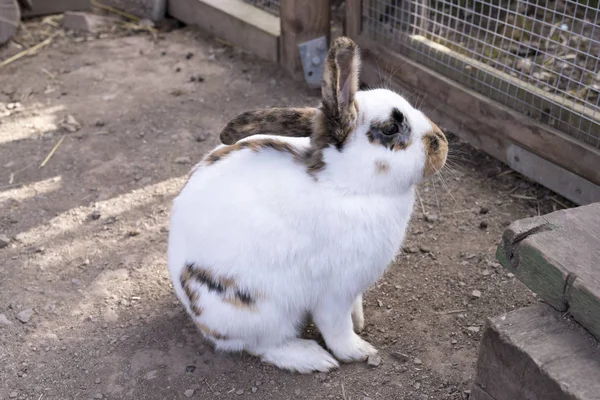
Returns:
point(271, 229)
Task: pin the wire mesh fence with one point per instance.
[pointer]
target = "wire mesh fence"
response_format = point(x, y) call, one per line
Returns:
point(270, 6)
point(539, 57)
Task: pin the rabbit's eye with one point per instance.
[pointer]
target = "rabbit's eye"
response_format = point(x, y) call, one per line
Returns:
point(391, 129)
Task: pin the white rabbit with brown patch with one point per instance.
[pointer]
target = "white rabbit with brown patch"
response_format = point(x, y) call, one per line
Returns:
point(271, 228)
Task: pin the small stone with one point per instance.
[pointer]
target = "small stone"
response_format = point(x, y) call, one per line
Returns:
point(297, 392)
point(475, 294)
point(424, 249)
point(484, 210)
point(473, 329)
point(454, 341)
point(190, 368)
point(70, 124)
point(13, 106)
point(510, 275)
point(431, 217)
point(423, 397)
point(418, 361)
point(4, 241)
point(188, 393)
point(400, 356)
point(254, 389)
point(25, 315)
point(183, 160)
point(4, 321)
point(380, 303)
point(201, 137)
point(13, 395)
point(95, 215)
point(239, 392)
point(98, 396)
point(417, 385)
point(40, 249)
point(485, 272)
point(410, 249)
point(483, 225)
point(98, 381)
point(374, 360)
point(76, 282)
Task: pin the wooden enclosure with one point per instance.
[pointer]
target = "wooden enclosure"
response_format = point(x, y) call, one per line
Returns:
point(542, 152)
point(547, 351)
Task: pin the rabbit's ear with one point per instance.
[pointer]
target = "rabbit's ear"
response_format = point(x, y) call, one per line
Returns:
point(294, 122)
point(340, 83)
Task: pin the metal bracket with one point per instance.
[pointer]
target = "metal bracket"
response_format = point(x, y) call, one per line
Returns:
point(313, 54)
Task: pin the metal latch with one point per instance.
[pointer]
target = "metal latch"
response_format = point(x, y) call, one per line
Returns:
point(313, 54)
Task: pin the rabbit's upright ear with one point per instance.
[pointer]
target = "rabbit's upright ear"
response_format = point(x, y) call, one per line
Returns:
point(340, 83)
point(294, 122)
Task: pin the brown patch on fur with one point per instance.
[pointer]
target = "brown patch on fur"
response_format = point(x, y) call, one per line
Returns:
point(436, 150)
point(210, 333)
point(227, 288)
point(381, 167)
point(254, 145)
point(290, 122)
point(185, 281)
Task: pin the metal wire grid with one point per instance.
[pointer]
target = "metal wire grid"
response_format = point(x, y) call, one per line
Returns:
point(270, 6)
point(541, 58)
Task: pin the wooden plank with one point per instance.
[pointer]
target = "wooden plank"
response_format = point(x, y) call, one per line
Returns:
point(154, 10)
point(353, 20)
point(10, 18)
point(558, 257)
point(482, 116)
point(45, 7)
point(564, 182)
point(534, 354)
point(234, 21)
point(301, 21)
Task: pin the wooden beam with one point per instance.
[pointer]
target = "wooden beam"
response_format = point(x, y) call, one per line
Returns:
point(534, 353)
point(10, 19)
point(557, 256)
point(45, 7)
point(301, 21)
point(353, 21)
point(234, 21)
point(474, 115)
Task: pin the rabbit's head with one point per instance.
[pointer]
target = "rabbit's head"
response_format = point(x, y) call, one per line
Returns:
point(363, 141)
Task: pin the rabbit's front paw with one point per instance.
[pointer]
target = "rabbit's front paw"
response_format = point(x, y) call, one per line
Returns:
point(353, 349)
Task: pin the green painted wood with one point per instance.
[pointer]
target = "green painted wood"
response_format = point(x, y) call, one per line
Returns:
point(557, 256)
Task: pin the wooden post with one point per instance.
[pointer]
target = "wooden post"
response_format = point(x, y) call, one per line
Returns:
point(301, 21)
point(352, 23)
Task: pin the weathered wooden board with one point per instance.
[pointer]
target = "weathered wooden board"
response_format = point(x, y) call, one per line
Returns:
point(301, 21)
point(480, 116)
point(234, 21)
point(534, 354)
point(487, 136)
point(10, 18)
point(558, 257)
point(154, 10)
point(46, 7)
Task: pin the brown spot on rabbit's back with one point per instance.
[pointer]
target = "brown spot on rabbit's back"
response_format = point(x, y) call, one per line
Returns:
point(435, 145)
point(254, 145)
point(290, 122)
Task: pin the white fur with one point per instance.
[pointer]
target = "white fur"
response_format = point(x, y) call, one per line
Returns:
point(306, 246)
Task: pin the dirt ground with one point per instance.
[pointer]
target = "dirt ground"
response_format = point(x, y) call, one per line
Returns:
point(87, 310)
